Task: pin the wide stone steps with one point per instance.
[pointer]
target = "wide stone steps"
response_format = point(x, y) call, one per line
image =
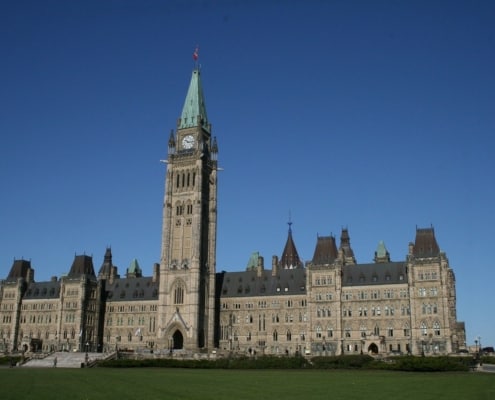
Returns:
point(65, 360)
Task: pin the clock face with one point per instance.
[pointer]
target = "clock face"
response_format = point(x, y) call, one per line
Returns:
point(188, 142)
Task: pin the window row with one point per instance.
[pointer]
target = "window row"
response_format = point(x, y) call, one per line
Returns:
point(185, 179)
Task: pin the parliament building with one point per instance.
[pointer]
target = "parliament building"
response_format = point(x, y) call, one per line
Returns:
point(329, 305)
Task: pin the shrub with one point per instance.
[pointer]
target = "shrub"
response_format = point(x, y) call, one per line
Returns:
point(342, 362)
point(430, 364)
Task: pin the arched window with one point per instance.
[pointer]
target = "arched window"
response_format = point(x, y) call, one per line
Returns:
point(275, 336)
point(289, 336)
point(318, 331)
point(436, 328)
point(424, 329)
point(179, 293)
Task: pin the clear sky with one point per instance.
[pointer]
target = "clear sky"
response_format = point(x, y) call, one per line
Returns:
point(377, 116)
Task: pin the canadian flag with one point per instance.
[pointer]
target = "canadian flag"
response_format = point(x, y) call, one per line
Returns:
point(196, 54)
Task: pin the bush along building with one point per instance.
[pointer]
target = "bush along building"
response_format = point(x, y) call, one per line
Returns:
point(328, 305)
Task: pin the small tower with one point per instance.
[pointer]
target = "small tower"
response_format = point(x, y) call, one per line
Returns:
point(290, 258)
point(381, 254)
point(345, 250)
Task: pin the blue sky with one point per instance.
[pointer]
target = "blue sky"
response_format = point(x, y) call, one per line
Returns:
point(377, 116)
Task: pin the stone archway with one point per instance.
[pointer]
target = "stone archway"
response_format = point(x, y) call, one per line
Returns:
point(373, 348)
point(178, 340)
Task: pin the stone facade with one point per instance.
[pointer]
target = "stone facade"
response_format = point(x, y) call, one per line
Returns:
point(328, 305)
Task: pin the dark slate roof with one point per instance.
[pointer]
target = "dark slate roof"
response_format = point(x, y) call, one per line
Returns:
point(19, 270)
point(82, 265)
point(325, 250)
point(106, 267)
point(248, 284)
point(43, 290)
point(426, 245)
point(132, 289)
point(290, 257)
point(375, 274)
point(345, 243)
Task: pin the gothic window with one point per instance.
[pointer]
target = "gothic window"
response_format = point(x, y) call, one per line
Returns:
point(347, 332)
point(436, 328)
point(407, 330)
point(289, 336)
point(179, 293)
point(318, 331)
point(390, 331)
point(363, 331)
point(424, 329)
point(275, 336)
point(376, 330)
point(329, 332)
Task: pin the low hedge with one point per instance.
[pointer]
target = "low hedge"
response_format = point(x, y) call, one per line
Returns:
point(404, 363)
point(429, 364)
point(343, 362)
point(9, 360)
point(264, 362)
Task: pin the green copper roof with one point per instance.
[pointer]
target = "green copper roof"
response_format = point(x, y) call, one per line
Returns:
point(381, 250)
point(134, 267)
point(253, 261)
point(194, 105)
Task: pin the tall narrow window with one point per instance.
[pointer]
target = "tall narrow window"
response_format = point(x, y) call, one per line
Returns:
point(424, 329)
point(179, 294)
point(436, 328)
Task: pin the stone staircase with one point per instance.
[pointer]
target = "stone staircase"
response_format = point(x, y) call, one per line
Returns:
point(66, 360)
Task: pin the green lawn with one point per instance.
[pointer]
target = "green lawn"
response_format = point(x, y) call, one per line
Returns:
point(150, 384)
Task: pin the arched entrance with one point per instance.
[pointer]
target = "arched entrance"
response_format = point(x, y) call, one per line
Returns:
point(178, 340)
point(373, 348)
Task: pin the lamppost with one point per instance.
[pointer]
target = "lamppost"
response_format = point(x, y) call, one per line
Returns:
point(476, 346)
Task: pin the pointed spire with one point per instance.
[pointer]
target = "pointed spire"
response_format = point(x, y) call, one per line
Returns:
point(290, 258)
point(134, 271)
point(381, 254)
point(345, 247)
point(171, 143)
point(106, 267)
point(194, 110)
point(214, 149)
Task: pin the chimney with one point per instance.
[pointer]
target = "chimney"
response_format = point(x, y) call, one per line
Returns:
point(261, 267)
point(274, 265)
point(156, 272)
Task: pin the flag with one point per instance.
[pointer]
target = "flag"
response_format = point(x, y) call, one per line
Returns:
point(196, 54)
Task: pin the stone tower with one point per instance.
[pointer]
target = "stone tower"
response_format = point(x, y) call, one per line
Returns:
point(188, 256)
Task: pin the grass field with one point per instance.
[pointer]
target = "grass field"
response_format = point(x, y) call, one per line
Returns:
point(151, 384)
